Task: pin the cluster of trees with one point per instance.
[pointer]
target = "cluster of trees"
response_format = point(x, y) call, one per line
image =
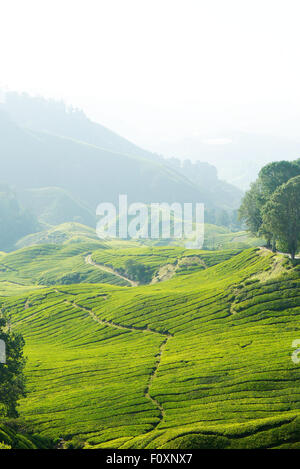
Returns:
point(138, 272)
point(271, 208)
point(12, 382)
point(223, 217)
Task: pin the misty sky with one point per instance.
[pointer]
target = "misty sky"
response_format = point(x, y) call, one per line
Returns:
point(160, 69)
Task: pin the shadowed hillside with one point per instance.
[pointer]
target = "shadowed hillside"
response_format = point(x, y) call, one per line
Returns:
point(93, 163)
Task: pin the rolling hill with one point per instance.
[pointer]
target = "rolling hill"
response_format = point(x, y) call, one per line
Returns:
point(52, 264)
point(65, 232)
point(202, 360)
point(69, 253)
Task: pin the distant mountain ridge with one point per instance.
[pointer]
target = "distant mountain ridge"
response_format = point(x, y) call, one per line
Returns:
point(31, 159)
point(238, 158)
point(54, 117)
point(45, 145)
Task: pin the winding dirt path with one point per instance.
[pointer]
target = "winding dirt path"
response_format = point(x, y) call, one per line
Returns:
point(263, 248)
point(105, 268)
point(151, 378)
point(162, 346)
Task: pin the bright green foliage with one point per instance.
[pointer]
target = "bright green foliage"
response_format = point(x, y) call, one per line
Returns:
point(4, 446)
point(151, 257)
point(202, 360)
point(53, 264)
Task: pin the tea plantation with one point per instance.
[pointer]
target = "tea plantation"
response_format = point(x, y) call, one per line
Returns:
point(202, 360)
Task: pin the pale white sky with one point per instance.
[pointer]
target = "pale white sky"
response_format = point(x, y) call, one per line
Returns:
point(159, 69)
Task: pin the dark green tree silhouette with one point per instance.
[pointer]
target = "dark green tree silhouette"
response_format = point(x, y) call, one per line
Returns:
point(281, 215)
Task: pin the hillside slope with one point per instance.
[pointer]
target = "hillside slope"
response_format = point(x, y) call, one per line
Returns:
point(202, 360)
point(48, 115)
point(88, 172)
point(53, 206)
point(89, 160)
point(65, 232)
point(52, 264)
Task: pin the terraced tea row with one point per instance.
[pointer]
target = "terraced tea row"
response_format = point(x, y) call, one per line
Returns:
point(90, 366)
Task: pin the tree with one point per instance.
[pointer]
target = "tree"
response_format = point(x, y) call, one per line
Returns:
point(270, 178)
point(281, 215)
point(12, 382)
point(273, 175)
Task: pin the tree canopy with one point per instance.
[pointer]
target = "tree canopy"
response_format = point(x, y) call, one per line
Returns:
point(273, 175)
point(281, 214)
point(270, 207)
point(138, 272)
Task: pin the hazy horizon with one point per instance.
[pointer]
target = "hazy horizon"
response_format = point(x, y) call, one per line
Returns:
point(171, 76)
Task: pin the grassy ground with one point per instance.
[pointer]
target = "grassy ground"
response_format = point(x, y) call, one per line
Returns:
point(201, 360)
